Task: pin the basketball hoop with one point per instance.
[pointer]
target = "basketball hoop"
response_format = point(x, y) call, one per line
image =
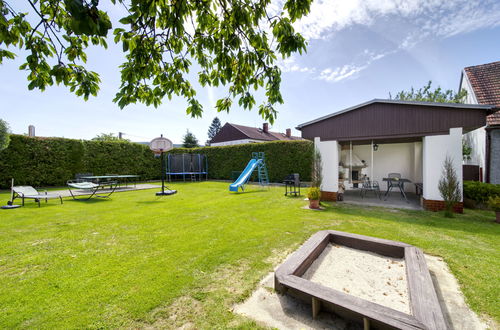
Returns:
point(159, 146)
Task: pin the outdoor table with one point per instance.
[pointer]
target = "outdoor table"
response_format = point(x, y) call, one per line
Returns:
point(96, 178)
point(401, 185)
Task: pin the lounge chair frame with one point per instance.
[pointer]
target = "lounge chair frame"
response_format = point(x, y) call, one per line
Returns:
point(28, 192)
point(90, 188)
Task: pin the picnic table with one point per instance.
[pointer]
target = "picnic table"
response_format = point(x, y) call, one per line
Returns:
point(400, 182)
point(117, 177)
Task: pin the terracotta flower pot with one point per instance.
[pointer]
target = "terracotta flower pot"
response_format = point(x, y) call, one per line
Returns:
point(314, 204)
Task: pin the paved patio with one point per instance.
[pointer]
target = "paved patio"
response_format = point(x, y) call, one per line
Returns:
point(394, 200)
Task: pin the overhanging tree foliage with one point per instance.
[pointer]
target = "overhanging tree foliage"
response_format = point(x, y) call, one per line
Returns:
point(4, 135)
point(235, 43)
point(427, 94)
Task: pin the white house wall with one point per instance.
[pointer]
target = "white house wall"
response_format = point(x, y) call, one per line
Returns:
point(404, 158)
point(435, 149)
point(329, 151)
point(477, 141)
point(477, 138)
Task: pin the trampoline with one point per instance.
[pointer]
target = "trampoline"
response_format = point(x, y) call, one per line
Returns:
point(194, 167)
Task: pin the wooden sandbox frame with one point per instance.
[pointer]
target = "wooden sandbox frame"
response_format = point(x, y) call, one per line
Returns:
point(424, 305)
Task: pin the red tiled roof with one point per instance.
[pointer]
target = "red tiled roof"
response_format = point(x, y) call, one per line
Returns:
point(258, 134)
point(485, 81)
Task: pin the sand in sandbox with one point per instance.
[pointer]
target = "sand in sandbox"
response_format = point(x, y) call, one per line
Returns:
point(366, 275)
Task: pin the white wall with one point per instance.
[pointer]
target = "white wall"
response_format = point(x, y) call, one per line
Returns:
point(434, 151)
point(329, 151)
point(229, 143)
point(404, 158)
point(477, 138)
point(477, 141)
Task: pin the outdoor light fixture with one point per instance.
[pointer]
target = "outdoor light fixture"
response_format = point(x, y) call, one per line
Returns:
point(375, 147)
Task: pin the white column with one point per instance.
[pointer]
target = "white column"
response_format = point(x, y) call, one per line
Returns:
point(435, 149)
point(329, 151)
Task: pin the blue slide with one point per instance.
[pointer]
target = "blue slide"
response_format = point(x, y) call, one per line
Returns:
point(245, 175)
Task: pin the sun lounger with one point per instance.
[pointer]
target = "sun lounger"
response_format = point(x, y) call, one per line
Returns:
point(29, 192)
point(85, 188)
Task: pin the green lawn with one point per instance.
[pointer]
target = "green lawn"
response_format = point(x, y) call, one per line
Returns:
point(137, 260)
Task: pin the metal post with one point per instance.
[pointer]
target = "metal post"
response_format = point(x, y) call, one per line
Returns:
point(162, 172)
point(350, 162)
point(371, 165)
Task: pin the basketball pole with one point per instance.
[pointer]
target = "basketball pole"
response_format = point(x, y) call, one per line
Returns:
point(162, 172)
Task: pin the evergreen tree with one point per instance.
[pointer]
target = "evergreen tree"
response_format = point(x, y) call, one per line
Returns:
point(4, 134)
point(190, 141)
point(214, 128)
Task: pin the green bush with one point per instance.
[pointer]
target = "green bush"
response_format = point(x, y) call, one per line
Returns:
point(494, 203)
point(480, 192)
point(282, 158)
point(314, 193)
point(53, 161)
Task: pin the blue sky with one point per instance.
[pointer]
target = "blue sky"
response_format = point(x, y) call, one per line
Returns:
point(358, 50)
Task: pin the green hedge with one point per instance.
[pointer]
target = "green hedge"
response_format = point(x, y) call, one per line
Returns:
point(282, 158)
point(479, 191)
point(53, 161)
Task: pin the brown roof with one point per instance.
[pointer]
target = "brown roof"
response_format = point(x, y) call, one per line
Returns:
point(485, 81)
point(231, 132)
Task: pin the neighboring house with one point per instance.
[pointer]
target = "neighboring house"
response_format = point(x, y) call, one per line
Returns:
point(482, 83)
point(389, 136)
point(231, 134)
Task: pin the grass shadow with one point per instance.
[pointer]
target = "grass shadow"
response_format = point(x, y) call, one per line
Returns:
point(461, 222)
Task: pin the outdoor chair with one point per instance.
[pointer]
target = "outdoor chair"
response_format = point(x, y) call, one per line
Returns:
point(29, 192)
point(368, 185)
point(396, 180)
point(88, 188)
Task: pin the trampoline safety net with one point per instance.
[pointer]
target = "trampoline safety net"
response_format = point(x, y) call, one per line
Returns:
point(193, 167)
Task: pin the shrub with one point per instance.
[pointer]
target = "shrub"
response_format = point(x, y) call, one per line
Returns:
point(449, 187)
point(317, 169)
point(494, 203)
point(282, 158)
point(53, 161)
point(314, 193)
point(480, 192)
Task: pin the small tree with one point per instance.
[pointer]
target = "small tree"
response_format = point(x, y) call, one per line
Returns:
point(190, 141)
point(426, 94)
point(466, 150)
point(214, 128)
point(109, 138)
point(4, 135)
point(317, 168)
point(449, 187)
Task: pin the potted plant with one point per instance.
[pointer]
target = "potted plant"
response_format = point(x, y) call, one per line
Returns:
point(494, 203)
point(314, 195)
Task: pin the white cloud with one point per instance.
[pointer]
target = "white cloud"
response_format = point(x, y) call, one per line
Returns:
point(340, 73)
point(350, 70)
point(427, 17)
point(290, 65)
